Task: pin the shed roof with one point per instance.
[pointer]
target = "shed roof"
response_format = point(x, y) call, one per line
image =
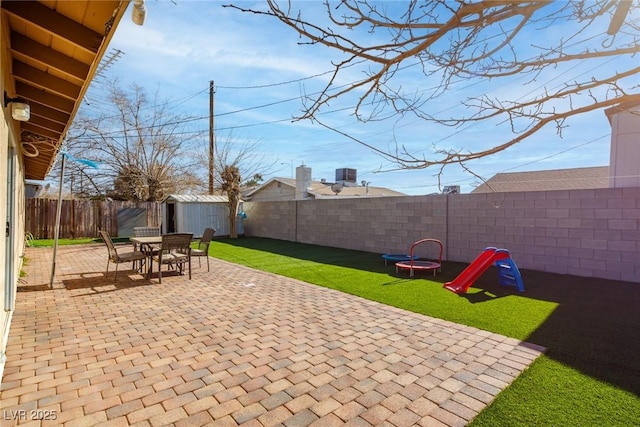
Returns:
point(196, 198)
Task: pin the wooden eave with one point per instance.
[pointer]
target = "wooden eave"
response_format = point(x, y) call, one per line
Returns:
point(53, 49)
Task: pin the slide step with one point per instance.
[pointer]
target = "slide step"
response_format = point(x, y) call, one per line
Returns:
point(508, 274)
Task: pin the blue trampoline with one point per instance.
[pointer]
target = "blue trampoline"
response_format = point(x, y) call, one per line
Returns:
point(396, 258)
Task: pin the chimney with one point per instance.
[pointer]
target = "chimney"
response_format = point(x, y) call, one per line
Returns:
point(624, 168)
point(303, 181)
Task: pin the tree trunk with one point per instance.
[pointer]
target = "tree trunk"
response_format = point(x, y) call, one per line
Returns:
point(233, 217)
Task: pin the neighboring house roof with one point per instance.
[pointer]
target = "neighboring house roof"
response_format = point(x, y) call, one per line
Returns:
point(625, 107)
point(322, 190)
point(556, 179)
point(200, 198)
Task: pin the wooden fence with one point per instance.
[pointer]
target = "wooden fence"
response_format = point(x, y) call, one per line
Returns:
point(82, 218)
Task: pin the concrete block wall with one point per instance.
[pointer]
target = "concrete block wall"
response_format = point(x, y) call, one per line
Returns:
point(382, 224)
point(593, 233)
point(276, 220)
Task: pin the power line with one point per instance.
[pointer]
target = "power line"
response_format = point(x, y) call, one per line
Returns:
point(285, 82)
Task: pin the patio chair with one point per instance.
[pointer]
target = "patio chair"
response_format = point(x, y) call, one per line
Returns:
point(202, 249)
point(175, 251)
point(120, 257)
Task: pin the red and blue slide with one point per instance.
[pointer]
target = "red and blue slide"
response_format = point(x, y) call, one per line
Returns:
point(508, 272)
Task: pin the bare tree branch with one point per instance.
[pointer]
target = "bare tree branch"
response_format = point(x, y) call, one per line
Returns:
point(465, 41)
point(143, 147)
point(231, 150)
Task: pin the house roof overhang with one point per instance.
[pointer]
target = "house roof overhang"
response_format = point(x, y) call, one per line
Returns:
point(51, 51)
point(623, 107)
point(289, 182)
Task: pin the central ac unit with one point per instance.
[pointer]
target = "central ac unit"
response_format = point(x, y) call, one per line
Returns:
point(451, 189)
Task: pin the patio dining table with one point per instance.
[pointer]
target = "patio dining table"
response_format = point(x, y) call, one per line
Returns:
point(146, 240)
point(147, 244)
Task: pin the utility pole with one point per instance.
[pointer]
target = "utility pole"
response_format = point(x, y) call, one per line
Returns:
point(211, 138)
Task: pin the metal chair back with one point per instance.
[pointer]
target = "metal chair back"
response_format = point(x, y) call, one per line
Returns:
point(117, 258)
point(146, 231)
point(179, 243)
point(106, 238)
point(207, 236)
point(202, 249)
point(175, 251)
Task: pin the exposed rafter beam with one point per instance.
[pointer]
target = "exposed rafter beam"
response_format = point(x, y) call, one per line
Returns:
point(47, 124)
point(39, 95)
point(55, 24)
point(32, 128)
point(36, 163)
point(24, 47)
point(40, 110)
point(42, 80)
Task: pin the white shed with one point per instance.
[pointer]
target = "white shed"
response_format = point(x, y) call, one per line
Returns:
point(192, 214)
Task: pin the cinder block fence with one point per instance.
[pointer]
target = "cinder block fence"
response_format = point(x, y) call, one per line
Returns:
point(592, 233)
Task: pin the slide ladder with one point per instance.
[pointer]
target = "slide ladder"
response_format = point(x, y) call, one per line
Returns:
point(508, 272)
point(509, 275)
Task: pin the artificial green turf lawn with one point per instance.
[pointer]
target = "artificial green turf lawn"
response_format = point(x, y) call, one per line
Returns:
point(590, 373)
point(550, 393)
point(40, 243)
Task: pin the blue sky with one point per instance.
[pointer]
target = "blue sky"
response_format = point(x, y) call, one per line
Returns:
point(260, 72)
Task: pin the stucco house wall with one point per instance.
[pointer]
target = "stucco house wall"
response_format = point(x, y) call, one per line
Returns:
point(51, 46)
point(624, 158)
point(274, 190)
point(12, 195)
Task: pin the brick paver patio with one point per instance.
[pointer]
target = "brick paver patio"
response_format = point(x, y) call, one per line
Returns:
point(235, 347)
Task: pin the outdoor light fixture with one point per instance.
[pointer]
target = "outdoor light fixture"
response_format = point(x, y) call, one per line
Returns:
point(20, 109)
point(139, 12)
